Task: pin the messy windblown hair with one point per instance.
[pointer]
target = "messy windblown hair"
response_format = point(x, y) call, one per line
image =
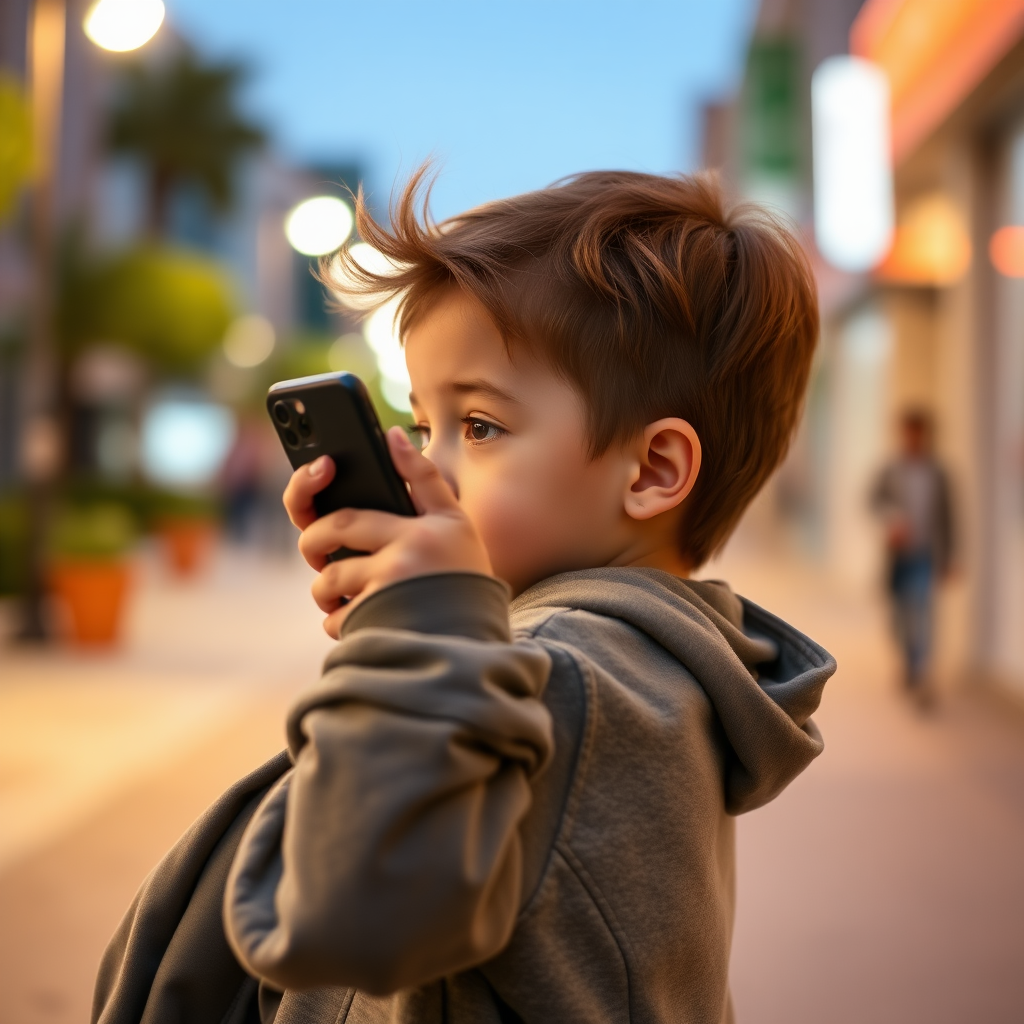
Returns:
point(645, 293)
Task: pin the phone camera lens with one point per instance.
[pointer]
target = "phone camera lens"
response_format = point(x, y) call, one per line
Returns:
point(282, 413)
point(292, 438)
point(304, 427)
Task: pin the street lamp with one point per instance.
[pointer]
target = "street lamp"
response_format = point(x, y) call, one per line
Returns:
point(122, 25)
point(114, 25)
point(379, 327)
point(319, 225)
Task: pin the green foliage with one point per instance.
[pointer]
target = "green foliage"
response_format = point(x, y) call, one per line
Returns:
point(301, 356)
point(179, 118)
point(163, 505)
point(101, 531)
point(388, 417)
point(13, 543)
point(15, 142)
point(171, 307)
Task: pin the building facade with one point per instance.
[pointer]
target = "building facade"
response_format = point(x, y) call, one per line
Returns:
point(939, 325)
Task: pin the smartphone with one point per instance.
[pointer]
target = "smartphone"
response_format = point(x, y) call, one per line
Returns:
point(331, 414)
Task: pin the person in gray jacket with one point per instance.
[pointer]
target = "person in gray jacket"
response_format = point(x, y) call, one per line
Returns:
point(511, 796)
point(912, 498)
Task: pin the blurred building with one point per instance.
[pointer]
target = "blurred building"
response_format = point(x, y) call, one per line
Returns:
point(939, 324)
point(102, 197)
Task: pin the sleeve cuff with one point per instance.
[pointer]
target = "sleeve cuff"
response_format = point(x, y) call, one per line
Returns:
point(464, 604)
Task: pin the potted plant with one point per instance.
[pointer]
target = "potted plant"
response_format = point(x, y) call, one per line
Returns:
point(90, 570)
point(187, 527)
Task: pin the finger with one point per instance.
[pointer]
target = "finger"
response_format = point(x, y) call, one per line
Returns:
point(429, 490)
point(336, 619)
point(355, 528)
point(341, 581)
point(305, 482)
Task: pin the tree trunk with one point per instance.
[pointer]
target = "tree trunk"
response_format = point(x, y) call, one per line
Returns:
point(158, 215)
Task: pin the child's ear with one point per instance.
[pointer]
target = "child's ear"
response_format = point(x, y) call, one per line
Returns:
point(667, 461)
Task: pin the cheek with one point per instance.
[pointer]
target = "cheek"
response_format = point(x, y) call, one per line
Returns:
point(538, 513)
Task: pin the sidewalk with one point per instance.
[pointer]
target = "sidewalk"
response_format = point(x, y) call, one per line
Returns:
point(105, 759)
point(885, 885)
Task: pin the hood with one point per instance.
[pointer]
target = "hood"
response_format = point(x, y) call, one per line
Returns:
point(763, 677)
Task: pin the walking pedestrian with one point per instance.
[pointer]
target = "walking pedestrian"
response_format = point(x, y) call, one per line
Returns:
point(912, 498)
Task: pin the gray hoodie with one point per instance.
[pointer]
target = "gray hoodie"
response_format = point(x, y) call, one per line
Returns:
point(489, 824)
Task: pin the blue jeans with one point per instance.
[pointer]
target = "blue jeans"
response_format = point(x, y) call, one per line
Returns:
point(912, 582)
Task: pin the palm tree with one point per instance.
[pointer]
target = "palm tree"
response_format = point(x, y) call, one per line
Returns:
point(180, 119)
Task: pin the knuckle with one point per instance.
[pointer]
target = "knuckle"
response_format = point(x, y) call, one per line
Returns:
point(343, 518)
point(331, 575)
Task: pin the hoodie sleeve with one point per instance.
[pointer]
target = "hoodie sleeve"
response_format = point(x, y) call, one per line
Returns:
point(391, 854)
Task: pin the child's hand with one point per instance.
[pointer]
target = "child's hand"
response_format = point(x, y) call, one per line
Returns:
point(440, 539)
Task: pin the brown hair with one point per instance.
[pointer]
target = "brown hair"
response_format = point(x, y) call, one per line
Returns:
point(646, 295)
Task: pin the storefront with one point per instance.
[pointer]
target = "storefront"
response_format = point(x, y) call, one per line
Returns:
point(942, 324)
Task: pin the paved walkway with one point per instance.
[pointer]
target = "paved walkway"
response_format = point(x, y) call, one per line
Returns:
point(106, 758)
point(887, 884)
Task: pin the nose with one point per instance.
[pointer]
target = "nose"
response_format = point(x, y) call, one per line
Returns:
point(435, 452)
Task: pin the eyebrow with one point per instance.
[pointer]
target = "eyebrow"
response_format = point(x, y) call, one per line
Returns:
point(478, 386)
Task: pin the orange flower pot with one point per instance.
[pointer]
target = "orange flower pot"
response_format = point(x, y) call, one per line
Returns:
point(187, 543)
point(93, 592)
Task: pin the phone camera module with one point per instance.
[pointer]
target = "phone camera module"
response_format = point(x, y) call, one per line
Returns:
point(282, 413)
point(291, 438)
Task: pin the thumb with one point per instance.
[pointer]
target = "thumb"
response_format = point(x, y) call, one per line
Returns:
point(429, 490)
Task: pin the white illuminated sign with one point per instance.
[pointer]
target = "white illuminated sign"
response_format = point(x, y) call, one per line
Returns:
point(853, 192)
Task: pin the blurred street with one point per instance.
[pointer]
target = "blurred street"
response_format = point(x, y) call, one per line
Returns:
point(106, 758)
point(884, 885)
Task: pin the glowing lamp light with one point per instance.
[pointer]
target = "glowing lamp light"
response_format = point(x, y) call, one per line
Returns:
point(932, 244)
point(249, 341)
point(1006, 250)
point(122, 25)
point(382, 337)
point(185, 441)
point(368, 258)
point(318, 226)
point(853, 191)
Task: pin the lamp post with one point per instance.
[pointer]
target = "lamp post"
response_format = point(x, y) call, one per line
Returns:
point(115, 25)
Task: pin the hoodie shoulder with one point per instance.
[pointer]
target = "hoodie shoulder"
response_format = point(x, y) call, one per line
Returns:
point(762, 677)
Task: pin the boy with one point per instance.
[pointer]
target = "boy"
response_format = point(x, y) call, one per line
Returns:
point(493, 812)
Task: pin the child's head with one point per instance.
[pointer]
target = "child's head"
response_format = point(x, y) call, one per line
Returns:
point(603, 367)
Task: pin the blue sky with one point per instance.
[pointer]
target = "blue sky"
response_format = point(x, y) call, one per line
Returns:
point(506, 96)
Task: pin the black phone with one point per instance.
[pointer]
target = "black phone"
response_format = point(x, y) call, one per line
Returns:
point(331, 414)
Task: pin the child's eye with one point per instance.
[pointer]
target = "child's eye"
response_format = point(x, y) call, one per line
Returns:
point(419, 434)
point(480, 431)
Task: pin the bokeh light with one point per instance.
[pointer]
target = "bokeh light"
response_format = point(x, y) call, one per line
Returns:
point(318, 226)
point(1006, 250)
point(351, 354)
point(853, 186)
point(185, 440)
point(369, 258)
point(380, 331)
point(249, 341)
point(932, 244)
point(122, 25)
